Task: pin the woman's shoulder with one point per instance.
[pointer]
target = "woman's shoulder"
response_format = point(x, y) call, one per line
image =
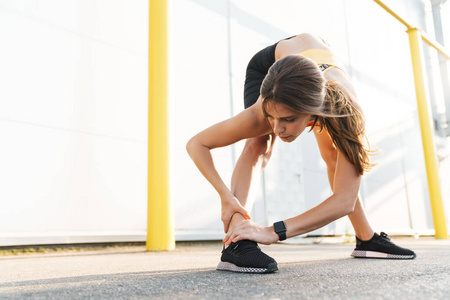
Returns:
point(253, 120)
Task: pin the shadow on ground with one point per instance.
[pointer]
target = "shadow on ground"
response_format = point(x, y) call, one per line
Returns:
point(425, 277)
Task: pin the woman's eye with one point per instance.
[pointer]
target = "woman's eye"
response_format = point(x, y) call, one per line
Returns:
point(290, 120)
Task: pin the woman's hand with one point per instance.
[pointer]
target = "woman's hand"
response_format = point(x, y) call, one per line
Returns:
point(247, 230)
point(230, 206)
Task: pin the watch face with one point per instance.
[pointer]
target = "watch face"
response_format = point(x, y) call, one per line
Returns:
point(279, 226)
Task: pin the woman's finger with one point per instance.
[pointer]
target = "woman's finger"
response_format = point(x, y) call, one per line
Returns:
point(244, 213)
point(231, 239)
point(237, 238)
point(241, 237)
point(226, 239)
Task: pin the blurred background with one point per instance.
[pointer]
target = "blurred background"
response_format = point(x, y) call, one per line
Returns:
point(74, 101)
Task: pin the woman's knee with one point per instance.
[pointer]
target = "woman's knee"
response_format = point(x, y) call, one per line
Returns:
point(259, 146)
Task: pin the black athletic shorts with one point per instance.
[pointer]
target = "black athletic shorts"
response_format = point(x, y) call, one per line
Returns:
point(257, 69)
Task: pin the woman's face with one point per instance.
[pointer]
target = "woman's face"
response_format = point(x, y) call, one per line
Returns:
point(286, 123)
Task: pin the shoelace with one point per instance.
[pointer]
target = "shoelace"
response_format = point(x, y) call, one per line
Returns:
point(243, 247)
point(384, 235)
point(385, 239)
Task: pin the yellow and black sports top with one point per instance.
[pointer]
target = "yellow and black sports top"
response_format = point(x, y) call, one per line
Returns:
point(259, 65)
point(324, 58)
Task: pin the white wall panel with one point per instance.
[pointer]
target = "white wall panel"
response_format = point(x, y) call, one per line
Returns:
point(199, 97)
point(73, 121)
point(73, 115)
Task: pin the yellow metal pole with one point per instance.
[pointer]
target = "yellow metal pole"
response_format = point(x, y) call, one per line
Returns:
point(160, 234)
point(434, 189)
point(439, 48)
point(425, 37)
point(392, 13)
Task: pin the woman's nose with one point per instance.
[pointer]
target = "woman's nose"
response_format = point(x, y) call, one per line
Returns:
point(277, 128)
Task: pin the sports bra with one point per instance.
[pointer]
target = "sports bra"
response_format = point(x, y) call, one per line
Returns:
point(324, 58)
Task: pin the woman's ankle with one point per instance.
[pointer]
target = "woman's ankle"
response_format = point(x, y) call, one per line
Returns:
point(365, 236)
point(236, 218)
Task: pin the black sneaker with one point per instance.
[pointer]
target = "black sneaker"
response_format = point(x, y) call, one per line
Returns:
point(380, 246)
point(245, 256)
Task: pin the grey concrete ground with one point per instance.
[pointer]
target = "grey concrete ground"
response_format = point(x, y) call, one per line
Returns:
point(315, 271)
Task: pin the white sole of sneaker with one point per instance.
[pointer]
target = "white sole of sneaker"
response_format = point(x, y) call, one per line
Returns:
point(226, 266)
point(373, 254)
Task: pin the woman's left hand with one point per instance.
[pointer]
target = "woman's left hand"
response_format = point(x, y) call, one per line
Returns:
point(247, 230)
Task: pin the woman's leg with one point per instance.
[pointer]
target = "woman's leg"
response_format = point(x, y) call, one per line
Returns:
point(257, 151)
point(368, 244)
point(360, 223)
point(358, 217)
point(254, 158)
point(245, 255)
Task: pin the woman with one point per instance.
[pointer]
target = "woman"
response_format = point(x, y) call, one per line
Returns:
point(291, 85)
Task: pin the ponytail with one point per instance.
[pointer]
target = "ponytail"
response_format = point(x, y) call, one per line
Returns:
point(344, 121)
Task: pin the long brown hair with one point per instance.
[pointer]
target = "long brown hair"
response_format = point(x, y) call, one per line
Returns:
point(297, 82)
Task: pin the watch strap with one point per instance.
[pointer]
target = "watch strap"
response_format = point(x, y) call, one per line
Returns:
point(280, 229)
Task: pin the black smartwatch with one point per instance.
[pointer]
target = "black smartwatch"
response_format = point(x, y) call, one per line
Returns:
point(280, 229)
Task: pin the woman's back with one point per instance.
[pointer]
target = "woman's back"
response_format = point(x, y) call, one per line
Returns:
point(306, 41)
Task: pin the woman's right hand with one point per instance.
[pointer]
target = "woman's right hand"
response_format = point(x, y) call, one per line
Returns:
point(230, 206)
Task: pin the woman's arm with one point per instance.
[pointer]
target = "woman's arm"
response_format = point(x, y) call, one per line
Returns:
point(249, 123)
point(341, 203)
